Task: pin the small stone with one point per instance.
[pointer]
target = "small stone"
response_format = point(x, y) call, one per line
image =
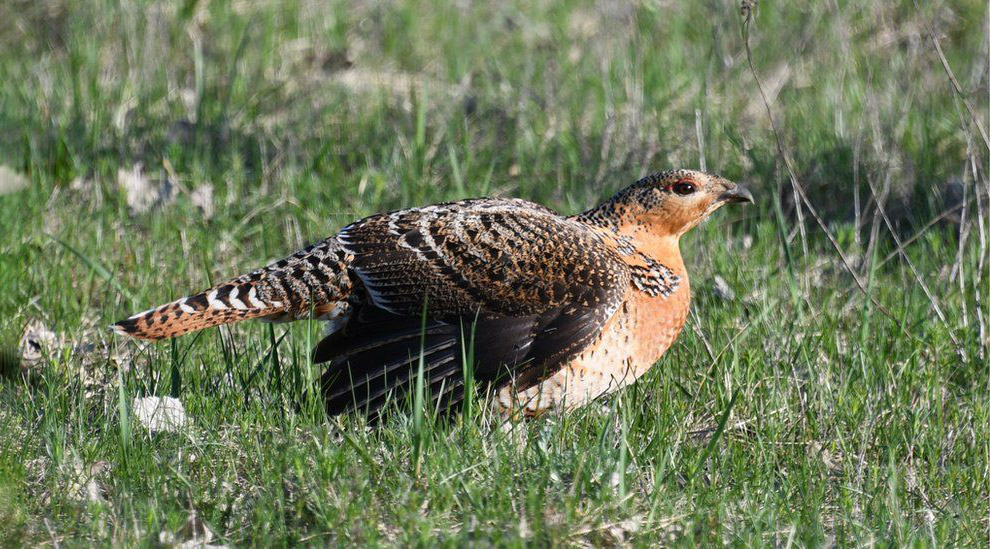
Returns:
point(202, 198)
point(140, 193)
point(195, 533)
point(722, 289)
point(11, 181)
point(160, 414)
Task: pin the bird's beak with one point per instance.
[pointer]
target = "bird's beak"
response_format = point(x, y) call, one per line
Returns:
point(736, 194)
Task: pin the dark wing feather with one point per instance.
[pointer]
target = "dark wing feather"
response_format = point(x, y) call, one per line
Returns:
point(367, 360)
point(537, 287)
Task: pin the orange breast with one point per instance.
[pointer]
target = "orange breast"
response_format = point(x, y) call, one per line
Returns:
point(631, 342)
point(659, 322)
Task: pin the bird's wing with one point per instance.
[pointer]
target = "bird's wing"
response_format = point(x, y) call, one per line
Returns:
point(500, 256)
point(536, 287)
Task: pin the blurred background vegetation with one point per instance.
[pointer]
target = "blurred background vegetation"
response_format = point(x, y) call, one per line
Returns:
point(549, 100)
point(149, 146)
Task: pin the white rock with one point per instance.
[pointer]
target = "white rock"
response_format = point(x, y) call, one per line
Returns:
point(722, 289)
point(140, 192)
point(193, 534)
point(202, 198)
point(85, 483)
point(11, 181)
point(160, 414)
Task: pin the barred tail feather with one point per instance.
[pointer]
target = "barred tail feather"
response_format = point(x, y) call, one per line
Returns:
point(313, 279)
point(220, 305)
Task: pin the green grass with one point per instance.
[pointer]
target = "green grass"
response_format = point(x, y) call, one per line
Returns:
point(795, 411)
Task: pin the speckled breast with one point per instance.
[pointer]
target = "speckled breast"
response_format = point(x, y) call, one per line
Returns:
point(631, 342)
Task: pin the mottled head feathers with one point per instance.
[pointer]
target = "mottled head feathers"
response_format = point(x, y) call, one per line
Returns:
point(667, 203)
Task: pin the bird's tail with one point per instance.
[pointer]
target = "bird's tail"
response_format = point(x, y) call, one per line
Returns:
point(314, 280)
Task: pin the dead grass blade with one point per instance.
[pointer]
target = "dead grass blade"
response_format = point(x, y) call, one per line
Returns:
point(747, 14)
point(955, 83)
point(914, 271)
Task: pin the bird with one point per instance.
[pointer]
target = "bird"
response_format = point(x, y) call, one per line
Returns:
point(555, 310)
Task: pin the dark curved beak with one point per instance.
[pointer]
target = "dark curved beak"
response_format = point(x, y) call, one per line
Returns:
point(738, 193)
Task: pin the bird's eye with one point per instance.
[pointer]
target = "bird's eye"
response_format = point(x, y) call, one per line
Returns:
point(684, 188)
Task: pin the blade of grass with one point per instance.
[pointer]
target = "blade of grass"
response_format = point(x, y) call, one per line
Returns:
point(419, 397)
point(718, 432)
point(123, 414)
point(96, 267)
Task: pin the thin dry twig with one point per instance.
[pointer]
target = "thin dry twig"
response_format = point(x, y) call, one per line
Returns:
point(981, 261)
point(914, 271)
point(960, 265)
point(977, 176)
point(955, 83)
point(701, 335)
point(921, 232)
point(747, 13)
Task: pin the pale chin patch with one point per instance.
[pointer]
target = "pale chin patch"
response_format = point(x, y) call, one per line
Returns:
point(703, 218)
point(716, 204)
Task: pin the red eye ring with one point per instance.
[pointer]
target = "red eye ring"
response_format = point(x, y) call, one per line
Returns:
point(683, 187)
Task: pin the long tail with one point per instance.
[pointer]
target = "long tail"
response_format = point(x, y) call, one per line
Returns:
point(313, 279)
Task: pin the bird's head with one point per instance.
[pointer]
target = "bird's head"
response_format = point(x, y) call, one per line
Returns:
point(670, 203)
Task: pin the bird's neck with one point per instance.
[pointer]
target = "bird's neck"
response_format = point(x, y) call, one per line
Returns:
point(614, 217)
point(665, 249)
point(608, 215)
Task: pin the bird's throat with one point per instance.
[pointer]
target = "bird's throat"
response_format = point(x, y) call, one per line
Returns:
point(663, 248)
